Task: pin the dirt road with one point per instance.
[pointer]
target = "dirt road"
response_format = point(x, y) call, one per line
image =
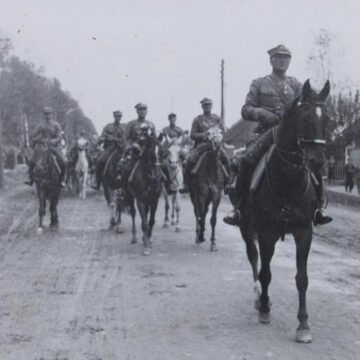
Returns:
point(84, 292)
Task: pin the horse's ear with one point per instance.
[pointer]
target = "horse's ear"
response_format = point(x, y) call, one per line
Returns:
point(325, 91)
point(306, 90)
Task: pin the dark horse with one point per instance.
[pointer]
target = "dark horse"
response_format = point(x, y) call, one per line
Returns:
point(206, 183)
point(144, 185)
point(285, 200)
point(47, 179)
point(111, 187)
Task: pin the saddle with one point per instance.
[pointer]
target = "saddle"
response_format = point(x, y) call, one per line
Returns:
point(260, 169)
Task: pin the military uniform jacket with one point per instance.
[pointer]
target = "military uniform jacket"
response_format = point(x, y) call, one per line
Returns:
point(201, 124)
point(271, 94)
point(133, 129)
point(111, 131)
point(173, 132)
point(50, 130)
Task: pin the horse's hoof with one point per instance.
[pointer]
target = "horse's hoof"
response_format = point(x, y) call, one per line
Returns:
point(133, 240)
point(146, 251)
point(264, 318)
point(39, 231)
point(165, 226)
point(213, 248)
point(199, 241)
point(119, 230)
point(257, 291)
point(173, 223)
point(303, 336)
point(178, 229)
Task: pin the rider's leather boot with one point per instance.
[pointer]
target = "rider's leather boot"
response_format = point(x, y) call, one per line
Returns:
point(98, 178)
point(320, 216)
point(30, 181)
point(237, 189)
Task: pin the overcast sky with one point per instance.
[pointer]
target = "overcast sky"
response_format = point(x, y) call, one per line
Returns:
point(165, 52)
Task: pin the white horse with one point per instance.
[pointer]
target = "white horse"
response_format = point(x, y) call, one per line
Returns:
point(174, 166)
point(82, 167)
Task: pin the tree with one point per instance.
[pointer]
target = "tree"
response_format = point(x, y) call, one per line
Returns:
point(325, 63)
point(24, 89)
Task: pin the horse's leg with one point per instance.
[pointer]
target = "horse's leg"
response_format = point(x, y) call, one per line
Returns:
point(153, 208)
point(173, 200)
point(112, 205)
point(133, 213)
point(41, 196)
point(215, 204)
point(303, 239)
point(201, 219)
point(167, 207)
point(53, 210)
point(267, 246)
point(177, 209)
point(248, 234)
point(119, 228)
point(143, 209)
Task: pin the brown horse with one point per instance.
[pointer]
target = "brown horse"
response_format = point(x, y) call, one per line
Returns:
point(285, 200)
point(46, 174)
point(111, 187)
point(144, 185)
point(206, 184)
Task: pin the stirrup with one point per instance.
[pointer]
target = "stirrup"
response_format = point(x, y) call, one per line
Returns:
point(28, 182)
point(321, 218)
point(184, 190)
point(95, 187)
point(233, 218)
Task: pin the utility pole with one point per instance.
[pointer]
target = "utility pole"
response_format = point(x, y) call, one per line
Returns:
point(222, 94)
point(1, 157)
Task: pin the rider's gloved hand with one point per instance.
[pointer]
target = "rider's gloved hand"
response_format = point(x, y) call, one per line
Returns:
point(266, 118)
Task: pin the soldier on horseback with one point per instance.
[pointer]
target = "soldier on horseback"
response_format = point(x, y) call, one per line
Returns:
point(49, 132)
point(113, 137)
point(172, 131)
point(265, 104)
point(200, 126)
point(136, 132)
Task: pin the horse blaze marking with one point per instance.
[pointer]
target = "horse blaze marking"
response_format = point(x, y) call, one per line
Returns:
point(318, 111)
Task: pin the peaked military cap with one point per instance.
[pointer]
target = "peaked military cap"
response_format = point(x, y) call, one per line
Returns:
point(117, 112)
point(47, 110)
point(171, 115)
point(206, 101)
point(280, 49)
point(140, 106)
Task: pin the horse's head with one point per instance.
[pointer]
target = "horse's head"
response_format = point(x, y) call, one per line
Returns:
point(174, 152)
point(309, 112)
point(214, 138)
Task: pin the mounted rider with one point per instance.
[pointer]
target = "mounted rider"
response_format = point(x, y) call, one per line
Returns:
point(265, 104)
point(172, 131)
point(48, 132)
point(136, 133)
point(200, 126)
point(113, 138)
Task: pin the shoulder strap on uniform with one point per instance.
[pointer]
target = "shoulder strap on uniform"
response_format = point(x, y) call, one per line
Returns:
point(277, 89)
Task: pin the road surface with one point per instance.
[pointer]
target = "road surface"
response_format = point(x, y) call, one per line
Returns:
point(84, 292)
